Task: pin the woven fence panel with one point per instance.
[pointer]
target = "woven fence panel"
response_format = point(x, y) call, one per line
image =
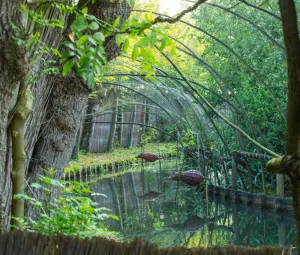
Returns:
point(100, 133)
point(16, 243)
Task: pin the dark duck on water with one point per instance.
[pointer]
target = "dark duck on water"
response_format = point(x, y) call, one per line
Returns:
point(190, 177)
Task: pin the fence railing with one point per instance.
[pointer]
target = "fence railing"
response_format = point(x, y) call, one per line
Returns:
point(242, 171)
point(34, 243)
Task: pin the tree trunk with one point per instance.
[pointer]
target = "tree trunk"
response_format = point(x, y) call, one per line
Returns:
point(23, 109)
point(58, 134)
point(292, 45)
point(13, 65)
point(65, 106)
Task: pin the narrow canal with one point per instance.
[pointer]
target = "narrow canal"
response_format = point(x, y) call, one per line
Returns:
point(169, 214)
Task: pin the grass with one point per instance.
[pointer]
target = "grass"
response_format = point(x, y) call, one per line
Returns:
point(119, 155)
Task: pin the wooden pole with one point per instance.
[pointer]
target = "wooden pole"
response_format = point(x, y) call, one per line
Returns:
point(263, 177)
point(280, 185)
point(234, 171)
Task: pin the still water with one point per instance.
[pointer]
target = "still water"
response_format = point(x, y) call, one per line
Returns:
point(170, 214)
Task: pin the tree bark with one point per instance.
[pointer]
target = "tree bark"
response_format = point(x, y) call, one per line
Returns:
point(23, 109)
point(12, 63)
point(66, 104)
point(58, 134)
point(292, 44)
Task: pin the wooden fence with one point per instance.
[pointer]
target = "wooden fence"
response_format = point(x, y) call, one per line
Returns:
point(242, 171)
point(16, 243)
point(129, 116)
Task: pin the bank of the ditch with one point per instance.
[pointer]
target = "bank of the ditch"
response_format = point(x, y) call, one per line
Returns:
point(89, 164)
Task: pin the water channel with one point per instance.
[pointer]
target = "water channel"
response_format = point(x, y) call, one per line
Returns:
point(170, 214)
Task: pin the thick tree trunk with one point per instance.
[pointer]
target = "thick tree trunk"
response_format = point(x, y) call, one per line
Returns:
point(12, 63)
point(65, 106)
point(58, 135)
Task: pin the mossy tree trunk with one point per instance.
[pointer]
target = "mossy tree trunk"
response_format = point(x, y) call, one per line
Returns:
point(292, 44)
point(23, 109)
point(290, 164)
point(13, 68)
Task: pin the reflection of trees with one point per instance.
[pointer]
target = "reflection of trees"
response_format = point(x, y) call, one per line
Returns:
point(226, 223)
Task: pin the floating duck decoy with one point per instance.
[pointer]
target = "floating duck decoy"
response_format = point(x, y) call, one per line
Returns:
point(152, 195)
point(147, 156)
point(190, 177)
point(193, 223)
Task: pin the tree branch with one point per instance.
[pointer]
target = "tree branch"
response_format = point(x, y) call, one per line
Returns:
point(177, 17)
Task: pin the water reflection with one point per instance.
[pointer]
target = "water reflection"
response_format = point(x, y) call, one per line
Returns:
point(170, 214)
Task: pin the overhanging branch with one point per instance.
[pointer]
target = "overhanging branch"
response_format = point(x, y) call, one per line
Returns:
point(177, 17)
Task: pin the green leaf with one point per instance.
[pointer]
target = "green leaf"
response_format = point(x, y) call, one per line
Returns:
point(79, 24)
point(173, 48)
point(144, 41)
point(66, 69)
point(153, 38)
point(91, 81)
point(135, 53)
point(46, 179)
point(82, 40)
point(94, 26)
point(113, 217)
point(92, 41)
point(22, 196)
point(146, 68)
point(116, 22)
point(163, 43)
point(36, 185)
point(125, 46)
point(85, 10)
point(150, 73)
point(83, 62)
point(98, 36)
point(56, 182)
point(66, 55)
point(119, 39)
point(131, 3)
point(69, 45)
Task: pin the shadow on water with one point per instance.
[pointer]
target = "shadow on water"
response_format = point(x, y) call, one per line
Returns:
point(163, 212)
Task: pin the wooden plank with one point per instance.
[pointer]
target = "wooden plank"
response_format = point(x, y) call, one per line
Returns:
point(28, 243)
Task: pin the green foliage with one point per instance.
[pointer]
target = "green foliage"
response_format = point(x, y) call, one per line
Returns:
point(144, 38)
point(148, 136)
point(85, 49)
point(73, 213)
point(188, 139)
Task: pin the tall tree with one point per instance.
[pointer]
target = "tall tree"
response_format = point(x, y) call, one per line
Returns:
point(290, 163)
point(58, 101)
point(13, 69)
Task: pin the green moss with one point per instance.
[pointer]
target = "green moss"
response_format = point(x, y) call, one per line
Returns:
point(122, 156)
